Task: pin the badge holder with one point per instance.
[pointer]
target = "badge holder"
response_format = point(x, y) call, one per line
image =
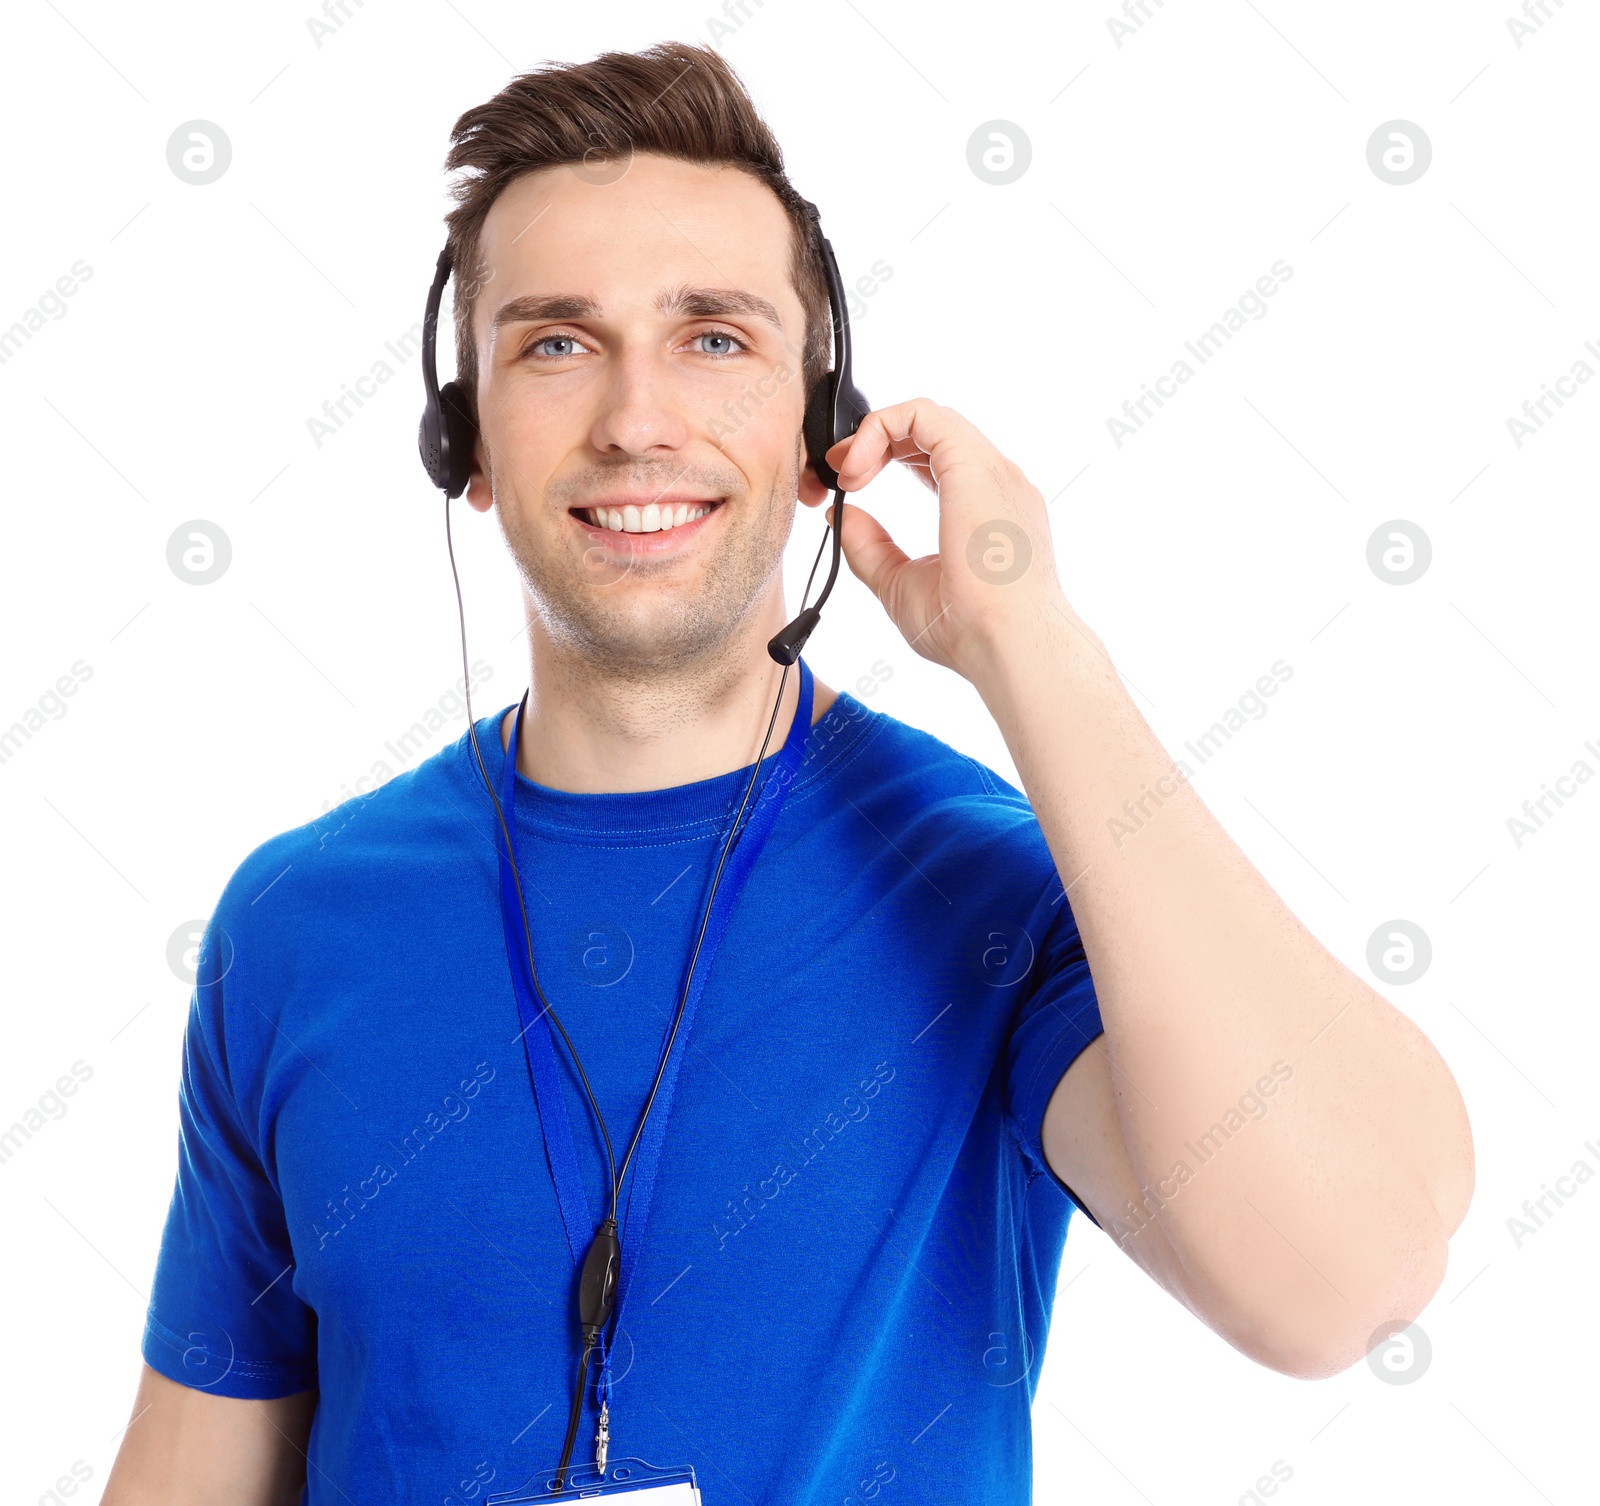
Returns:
point(630, 1480)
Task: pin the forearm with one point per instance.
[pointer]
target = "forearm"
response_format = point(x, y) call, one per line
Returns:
point(1327, 1209)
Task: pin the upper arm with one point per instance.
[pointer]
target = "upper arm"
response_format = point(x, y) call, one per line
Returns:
point(1062, 1095)
point(1084, 1146)
point(225, 1314)
point(186, 1447)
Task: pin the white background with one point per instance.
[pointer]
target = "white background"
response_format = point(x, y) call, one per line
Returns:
point(1167, 175)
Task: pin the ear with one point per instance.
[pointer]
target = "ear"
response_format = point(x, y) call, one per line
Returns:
point(480, 495)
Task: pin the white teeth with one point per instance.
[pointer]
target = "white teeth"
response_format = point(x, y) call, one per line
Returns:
point(651, 518)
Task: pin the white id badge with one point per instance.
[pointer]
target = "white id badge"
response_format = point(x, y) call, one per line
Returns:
point(626, 1480)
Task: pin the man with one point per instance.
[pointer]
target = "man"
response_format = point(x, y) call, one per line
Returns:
point(911, 1041)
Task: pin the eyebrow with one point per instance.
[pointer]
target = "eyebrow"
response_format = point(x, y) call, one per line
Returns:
point(695, 303)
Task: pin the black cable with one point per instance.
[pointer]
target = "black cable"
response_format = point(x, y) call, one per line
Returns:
point(511, 850)
point(838, 549)
point(560, 1482)
point(735, 831)
point(817, 561)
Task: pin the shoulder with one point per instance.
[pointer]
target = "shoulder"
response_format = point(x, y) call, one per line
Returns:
point(372, 883)
point(889, 748)
point(388, 839)
point(903, 777)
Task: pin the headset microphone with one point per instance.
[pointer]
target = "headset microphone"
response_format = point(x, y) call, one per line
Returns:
point(445, 440)
point(833, 412)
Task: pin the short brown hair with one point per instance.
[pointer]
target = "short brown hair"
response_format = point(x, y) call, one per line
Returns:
point(674, 99)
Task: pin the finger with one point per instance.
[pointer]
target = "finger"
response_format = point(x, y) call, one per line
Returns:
point(873, 556)
point(919, 432)
point(856, 471)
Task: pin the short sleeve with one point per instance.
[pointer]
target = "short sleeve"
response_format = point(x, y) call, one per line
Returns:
point(1056, 1020)
point(223, 1314)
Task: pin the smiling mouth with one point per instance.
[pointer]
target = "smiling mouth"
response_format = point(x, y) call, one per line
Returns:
point(652, 517)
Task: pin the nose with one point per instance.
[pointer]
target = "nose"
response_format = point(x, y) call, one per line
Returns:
point(639, 413)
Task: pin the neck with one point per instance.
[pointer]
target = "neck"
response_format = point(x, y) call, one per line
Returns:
point(589, 730)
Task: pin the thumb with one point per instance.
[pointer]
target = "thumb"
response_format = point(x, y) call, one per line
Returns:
point(874, 558)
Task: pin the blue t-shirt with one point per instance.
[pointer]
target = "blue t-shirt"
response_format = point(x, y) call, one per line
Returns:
point(845, 1286)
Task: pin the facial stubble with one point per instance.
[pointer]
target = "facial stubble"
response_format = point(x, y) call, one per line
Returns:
point(604, 617)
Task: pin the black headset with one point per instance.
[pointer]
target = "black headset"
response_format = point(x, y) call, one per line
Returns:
point(834, 411)
point(445, 437)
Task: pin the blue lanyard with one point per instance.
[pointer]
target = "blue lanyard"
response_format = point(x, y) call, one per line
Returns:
point(544, 1068)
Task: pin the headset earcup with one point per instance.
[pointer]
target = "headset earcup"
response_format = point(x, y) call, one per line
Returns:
point(461, 434)
point(853, 407)
point(818, 429)
point(430, 444)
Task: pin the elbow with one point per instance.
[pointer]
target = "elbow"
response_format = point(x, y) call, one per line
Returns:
point(1456, 1178)
point(1312, 1301)
point(1385, 1268)
point(1321, 1337)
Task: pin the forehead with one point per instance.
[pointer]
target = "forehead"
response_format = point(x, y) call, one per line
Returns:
point(662, 223)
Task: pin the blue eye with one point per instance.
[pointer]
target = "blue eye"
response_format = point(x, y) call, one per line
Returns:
point(560, 347)
point(569, 340)
point(721, 334)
